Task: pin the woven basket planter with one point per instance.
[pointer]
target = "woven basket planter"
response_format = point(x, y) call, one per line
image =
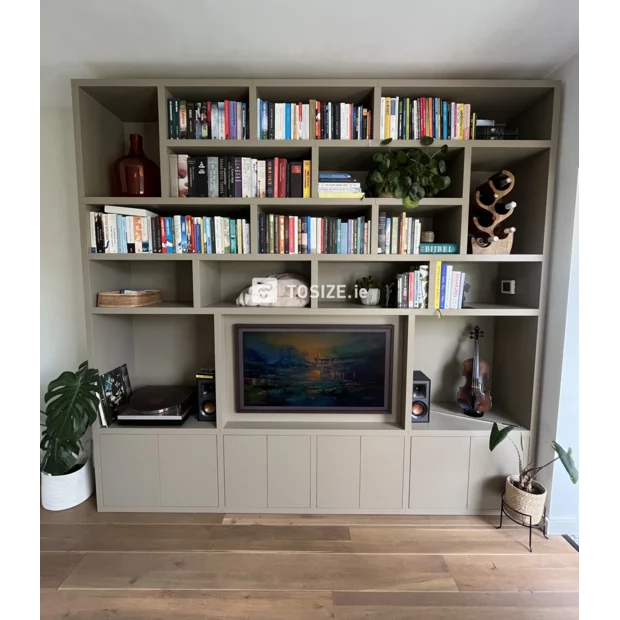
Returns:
point(532, 504)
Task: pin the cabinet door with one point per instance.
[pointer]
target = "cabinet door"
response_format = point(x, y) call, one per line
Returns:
point(382, 462)
point(338, 472)
point(439, 471)
point(188, 470)
point(130, 470)
point(245, 471)
point(488, 471)
point(288, 472)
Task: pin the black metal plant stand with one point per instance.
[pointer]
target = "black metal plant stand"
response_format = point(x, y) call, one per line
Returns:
point(542, 526)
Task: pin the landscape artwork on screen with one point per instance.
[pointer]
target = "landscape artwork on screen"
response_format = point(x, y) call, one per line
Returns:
point(309, 369)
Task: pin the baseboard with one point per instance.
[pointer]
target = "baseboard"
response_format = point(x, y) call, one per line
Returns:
point(563, 526)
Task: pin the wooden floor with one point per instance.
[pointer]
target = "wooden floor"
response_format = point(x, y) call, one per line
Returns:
point(126, 566)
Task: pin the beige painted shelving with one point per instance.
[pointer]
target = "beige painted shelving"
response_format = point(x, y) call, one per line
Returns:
point(316, 463)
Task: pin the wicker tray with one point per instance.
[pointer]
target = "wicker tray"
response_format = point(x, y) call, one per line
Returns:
point(116, 299)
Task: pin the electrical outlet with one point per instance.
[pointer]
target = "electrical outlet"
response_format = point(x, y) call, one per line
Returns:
point(508, 287)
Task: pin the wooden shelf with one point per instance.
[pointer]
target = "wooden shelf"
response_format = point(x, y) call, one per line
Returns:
point(453, 410)
point(191, 426)
point(166, 307)
point(286, 426)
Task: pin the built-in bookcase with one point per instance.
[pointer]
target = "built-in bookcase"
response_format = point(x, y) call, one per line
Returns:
point(193, 327)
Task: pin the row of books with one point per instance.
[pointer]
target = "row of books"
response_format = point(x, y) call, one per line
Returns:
point(292, 234)
point(118, 230)
point(207, 120)
point(315, 120)
point(238, 177)
point(399, 234)
point(403, 118)
point(412, 288)
point(449, 287)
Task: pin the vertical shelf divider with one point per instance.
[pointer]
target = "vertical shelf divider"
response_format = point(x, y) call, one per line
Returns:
point(253, 113)
point(374, 228)
point(314, 280)
point(162, 122)
point(314, 171)
point(463, 249)
point(196, 281)
point(254, 249)
point(376, 114)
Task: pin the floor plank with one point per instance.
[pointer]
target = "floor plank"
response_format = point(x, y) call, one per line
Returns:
point(526, 573)
point(87, 513)
point(193, 538)
point(55, 567)
point(454, 606)
point(433, 521)
point(184, 605)
point(261, 571)
point(452, 541)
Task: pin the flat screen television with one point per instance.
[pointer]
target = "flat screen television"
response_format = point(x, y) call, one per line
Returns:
point(313, 369)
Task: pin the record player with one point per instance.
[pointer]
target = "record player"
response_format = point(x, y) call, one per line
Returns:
point(157, 403)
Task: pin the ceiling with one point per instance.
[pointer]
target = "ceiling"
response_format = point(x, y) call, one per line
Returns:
point(288, 38)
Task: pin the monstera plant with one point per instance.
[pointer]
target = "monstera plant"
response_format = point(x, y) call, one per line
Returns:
point(409, 174)
point(72, 401)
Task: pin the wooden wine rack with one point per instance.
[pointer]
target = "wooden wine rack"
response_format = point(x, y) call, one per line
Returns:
point(503, 246)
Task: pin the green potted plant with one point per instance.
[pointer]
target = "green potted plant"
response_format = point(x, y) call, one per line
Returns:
point(523, 493)
point(72, 402)
point(408, 174)
point(368, 291)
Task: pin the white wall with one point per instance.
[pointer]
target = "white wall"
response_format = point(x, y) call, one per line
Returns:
point(63, 332)
point(559, 409)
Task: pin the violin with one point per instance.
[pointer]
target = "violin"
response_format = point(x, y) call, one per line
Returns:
point(474, 397)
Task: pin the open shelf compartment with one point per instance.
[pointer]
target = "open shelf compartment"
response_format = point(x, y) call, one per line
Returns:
point(107, 116)
point(508, 345)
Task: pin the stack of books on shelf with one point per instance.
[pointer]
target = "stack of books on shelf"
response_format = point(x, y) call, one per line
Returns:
point(487, 129)
point(339, 185)
point(238, 177)
point(207, 120)
point(122, 230)
point(412, 288)
point(449, 287)
point(315, 120)
point(403, 118)
point(292, 234)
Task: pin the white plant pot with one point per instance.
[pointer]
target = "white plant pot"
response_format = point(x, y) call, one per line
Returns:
point(532, 504)
point(372, 296)
point(62, 492)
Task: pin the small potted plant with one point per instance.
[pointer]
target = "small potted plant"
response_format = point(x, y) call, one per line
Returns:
point(369, 291)
point(72, 402)
point(409, 174)
point(523, 493)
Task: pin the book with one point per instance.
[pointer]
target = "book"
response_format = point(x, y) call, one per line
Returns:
point(442, 287)
point(202, 183)
point(339, 195)
point(448, 287)
point(297, 181)
point(191, 177)
point(307, 179)
point(438, 268)
point(128, 211)
point(438, 248)
point(212, 177)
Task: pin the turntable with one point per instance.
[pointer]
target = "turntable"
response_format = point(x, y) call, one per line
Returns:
point(158, 403)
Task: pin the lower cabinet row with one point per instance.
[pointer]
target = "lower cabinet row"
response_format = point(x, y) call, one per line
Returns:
point(295, 472)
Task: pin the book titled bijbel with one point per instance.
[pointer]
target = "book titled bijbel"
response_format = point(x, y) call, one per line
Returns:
point(438, 248)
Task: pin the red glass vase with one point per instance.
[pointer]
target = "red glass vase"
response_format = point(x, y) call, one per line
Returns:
point(135, 174)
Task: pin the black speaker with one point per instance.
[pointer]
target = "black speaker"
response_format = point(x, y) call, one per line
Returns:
point(205, 384)
point(421, 397)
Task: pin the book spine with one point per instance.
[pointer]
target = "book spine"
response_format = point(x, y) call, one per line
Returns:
point(177, 120)
point(162, 235)
point(168, 235)
point(246, 177)
point(307, 178)
point(280, 234)
point(182, 120)
point(438, 269)
point(170, 118)
point(467, 113)
point(448, 287)
point(461, 299)
point(381, 248)
point(226, 236)
point(444, 120)
point(137, 233)
point(442, 287)
point(205, 120)
point(191, 177)
point(212, 177)
point(261, 179)
point(456, 283)
point(146, 241)
point(178, 240)
point(100, 233)
point(202, 181)
point(215, 120)
point(191, 127)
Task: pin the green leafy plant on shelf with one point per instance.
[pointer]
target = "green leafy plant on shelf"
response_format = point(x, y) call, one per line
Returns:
point(409, 174)
point(72, 402)
point(367, 283)
point(528, 471)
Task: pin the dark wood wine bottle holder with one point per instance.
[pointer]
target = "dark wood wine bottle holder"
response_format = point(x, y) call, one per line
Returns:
point(503, 246)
